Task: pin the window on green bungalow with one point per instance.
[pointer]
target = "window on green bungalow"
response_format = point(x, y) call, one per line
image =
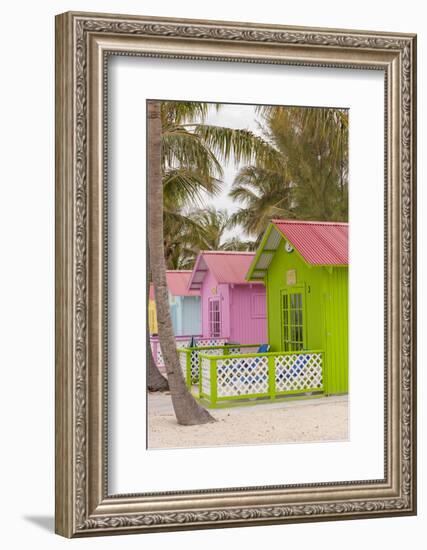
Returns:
point(292, 320)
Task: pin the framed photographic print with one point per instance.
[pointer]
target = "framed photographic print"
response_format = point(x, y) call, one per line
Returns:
point(235, 274)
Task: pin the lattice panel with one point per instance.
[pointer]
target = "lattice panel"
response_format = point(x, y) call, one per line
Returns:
point(159, 362)
point(158, 357)
point(194, 362)
point(153, 345)
point(210, 342)
point(206, 376)
point(241, 348)
point(242, 376)
point(183, 363)
point(182, 343)
point(298, 372)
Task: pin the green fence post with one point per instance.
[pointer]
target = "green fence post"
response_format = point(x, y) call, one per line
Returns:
point(324, 375)
point(188, 370)
point(214, 389)
point(200, 377)
point(271, 377)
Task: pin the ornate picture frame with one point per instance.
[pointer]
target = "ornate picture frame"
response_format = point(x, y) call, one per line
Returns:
point(83, 43)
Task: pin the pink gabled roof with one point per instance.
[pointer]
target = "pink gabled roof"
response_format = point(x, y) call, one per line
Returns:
point(226, 266)
point(177, 281)
point(319, 243)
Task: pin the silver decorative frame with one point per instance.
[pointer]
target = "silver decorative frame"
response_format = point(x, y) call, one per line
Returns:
point(83, 506)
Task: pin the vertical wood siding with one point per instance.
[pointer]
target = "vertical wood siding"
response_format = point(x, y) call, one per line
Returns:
point(325, 295)
point(185, 314)
point(190, 315)
point(152, 317)
point(242, 319)
point(211, 289)
point(336, 320)
point(248, 314)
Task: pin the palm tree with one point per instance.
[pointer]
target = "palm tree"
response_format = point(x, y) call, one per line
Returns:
point(314, 146)
point(265, 193)
point(192, 231)
point(187, 410)
point(305, 174)
point(191, 167)
point(190, 172)
point(181, 168)
point(188, 169)
point(213, 225)
point(155, 379)
point(181, 239)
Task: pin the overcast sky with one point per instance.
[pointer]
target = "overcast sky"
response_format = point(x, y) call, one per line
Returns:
point(231, 116)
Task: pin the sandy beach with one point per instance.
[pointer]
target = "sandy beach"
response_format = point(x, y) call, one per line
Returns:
point(305, 420)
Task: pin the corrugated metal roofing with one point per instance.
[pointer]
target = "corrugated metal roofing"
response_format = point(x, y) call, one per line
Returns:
point(273, 240)
point(319, 243)
point(226, 267)
point(177, 281)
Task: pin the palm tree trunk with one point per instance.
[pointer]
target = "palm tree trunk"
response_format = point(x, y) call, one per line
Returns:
point(155, 379)
point(187, 410)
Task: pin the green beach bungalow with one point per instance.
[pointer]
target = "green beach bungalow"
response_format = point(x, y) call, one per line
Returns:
point(304, 267)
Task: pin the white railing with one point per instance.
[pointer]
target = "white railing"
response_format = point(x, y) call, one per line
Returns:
point(269, 375)
point(181, 342)
point(189, 358)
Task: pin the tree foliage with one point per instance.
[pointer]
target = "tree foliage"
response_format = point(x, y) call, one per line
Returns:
point(192, 157)
point(297, 168)
point(305, 176)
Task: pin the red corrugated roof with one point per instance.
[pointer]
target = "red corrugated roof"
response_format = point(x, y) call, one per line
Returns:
point(177, 281)
point(319, 243)
point(226, 267)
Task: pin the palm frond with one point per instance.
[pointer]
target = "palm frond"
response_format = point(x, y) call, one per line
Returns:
point(182, 186)
point(240, 145)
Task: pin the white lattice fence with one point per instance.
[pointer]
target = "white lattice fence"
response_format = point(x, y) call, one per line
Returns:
point(195, 361)
point(183, 363)
point(242, 376)
point(260, 375)
point(182, 342)
point(210, 342)
point(206, 377)
point(298, 372)
point(241, 348)
point(160, 362)
point(156, 351)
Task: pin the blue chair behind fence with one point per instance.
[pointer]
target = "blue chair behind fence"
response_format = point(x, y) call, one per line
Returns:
point(250, 366)
point(298, 365)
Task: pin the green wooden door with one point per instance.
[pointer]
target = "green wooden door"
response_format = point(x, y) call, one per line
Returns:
point(293, 319)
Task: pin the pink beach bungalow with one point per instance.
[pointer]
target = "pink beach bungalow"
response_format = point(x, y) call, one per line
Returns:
point(185, 312)
point(184, 305)
point(232, 308)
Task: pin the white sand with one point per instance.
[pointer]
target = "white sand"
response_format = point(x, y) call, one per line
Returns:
point(322, 419)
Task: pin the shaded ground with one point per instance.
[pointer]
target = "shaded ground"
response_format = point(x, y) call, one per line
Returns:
point(322, 419)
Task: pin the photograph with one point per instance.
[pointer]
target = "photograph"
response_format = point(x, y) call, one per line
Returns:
point(247, 274)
